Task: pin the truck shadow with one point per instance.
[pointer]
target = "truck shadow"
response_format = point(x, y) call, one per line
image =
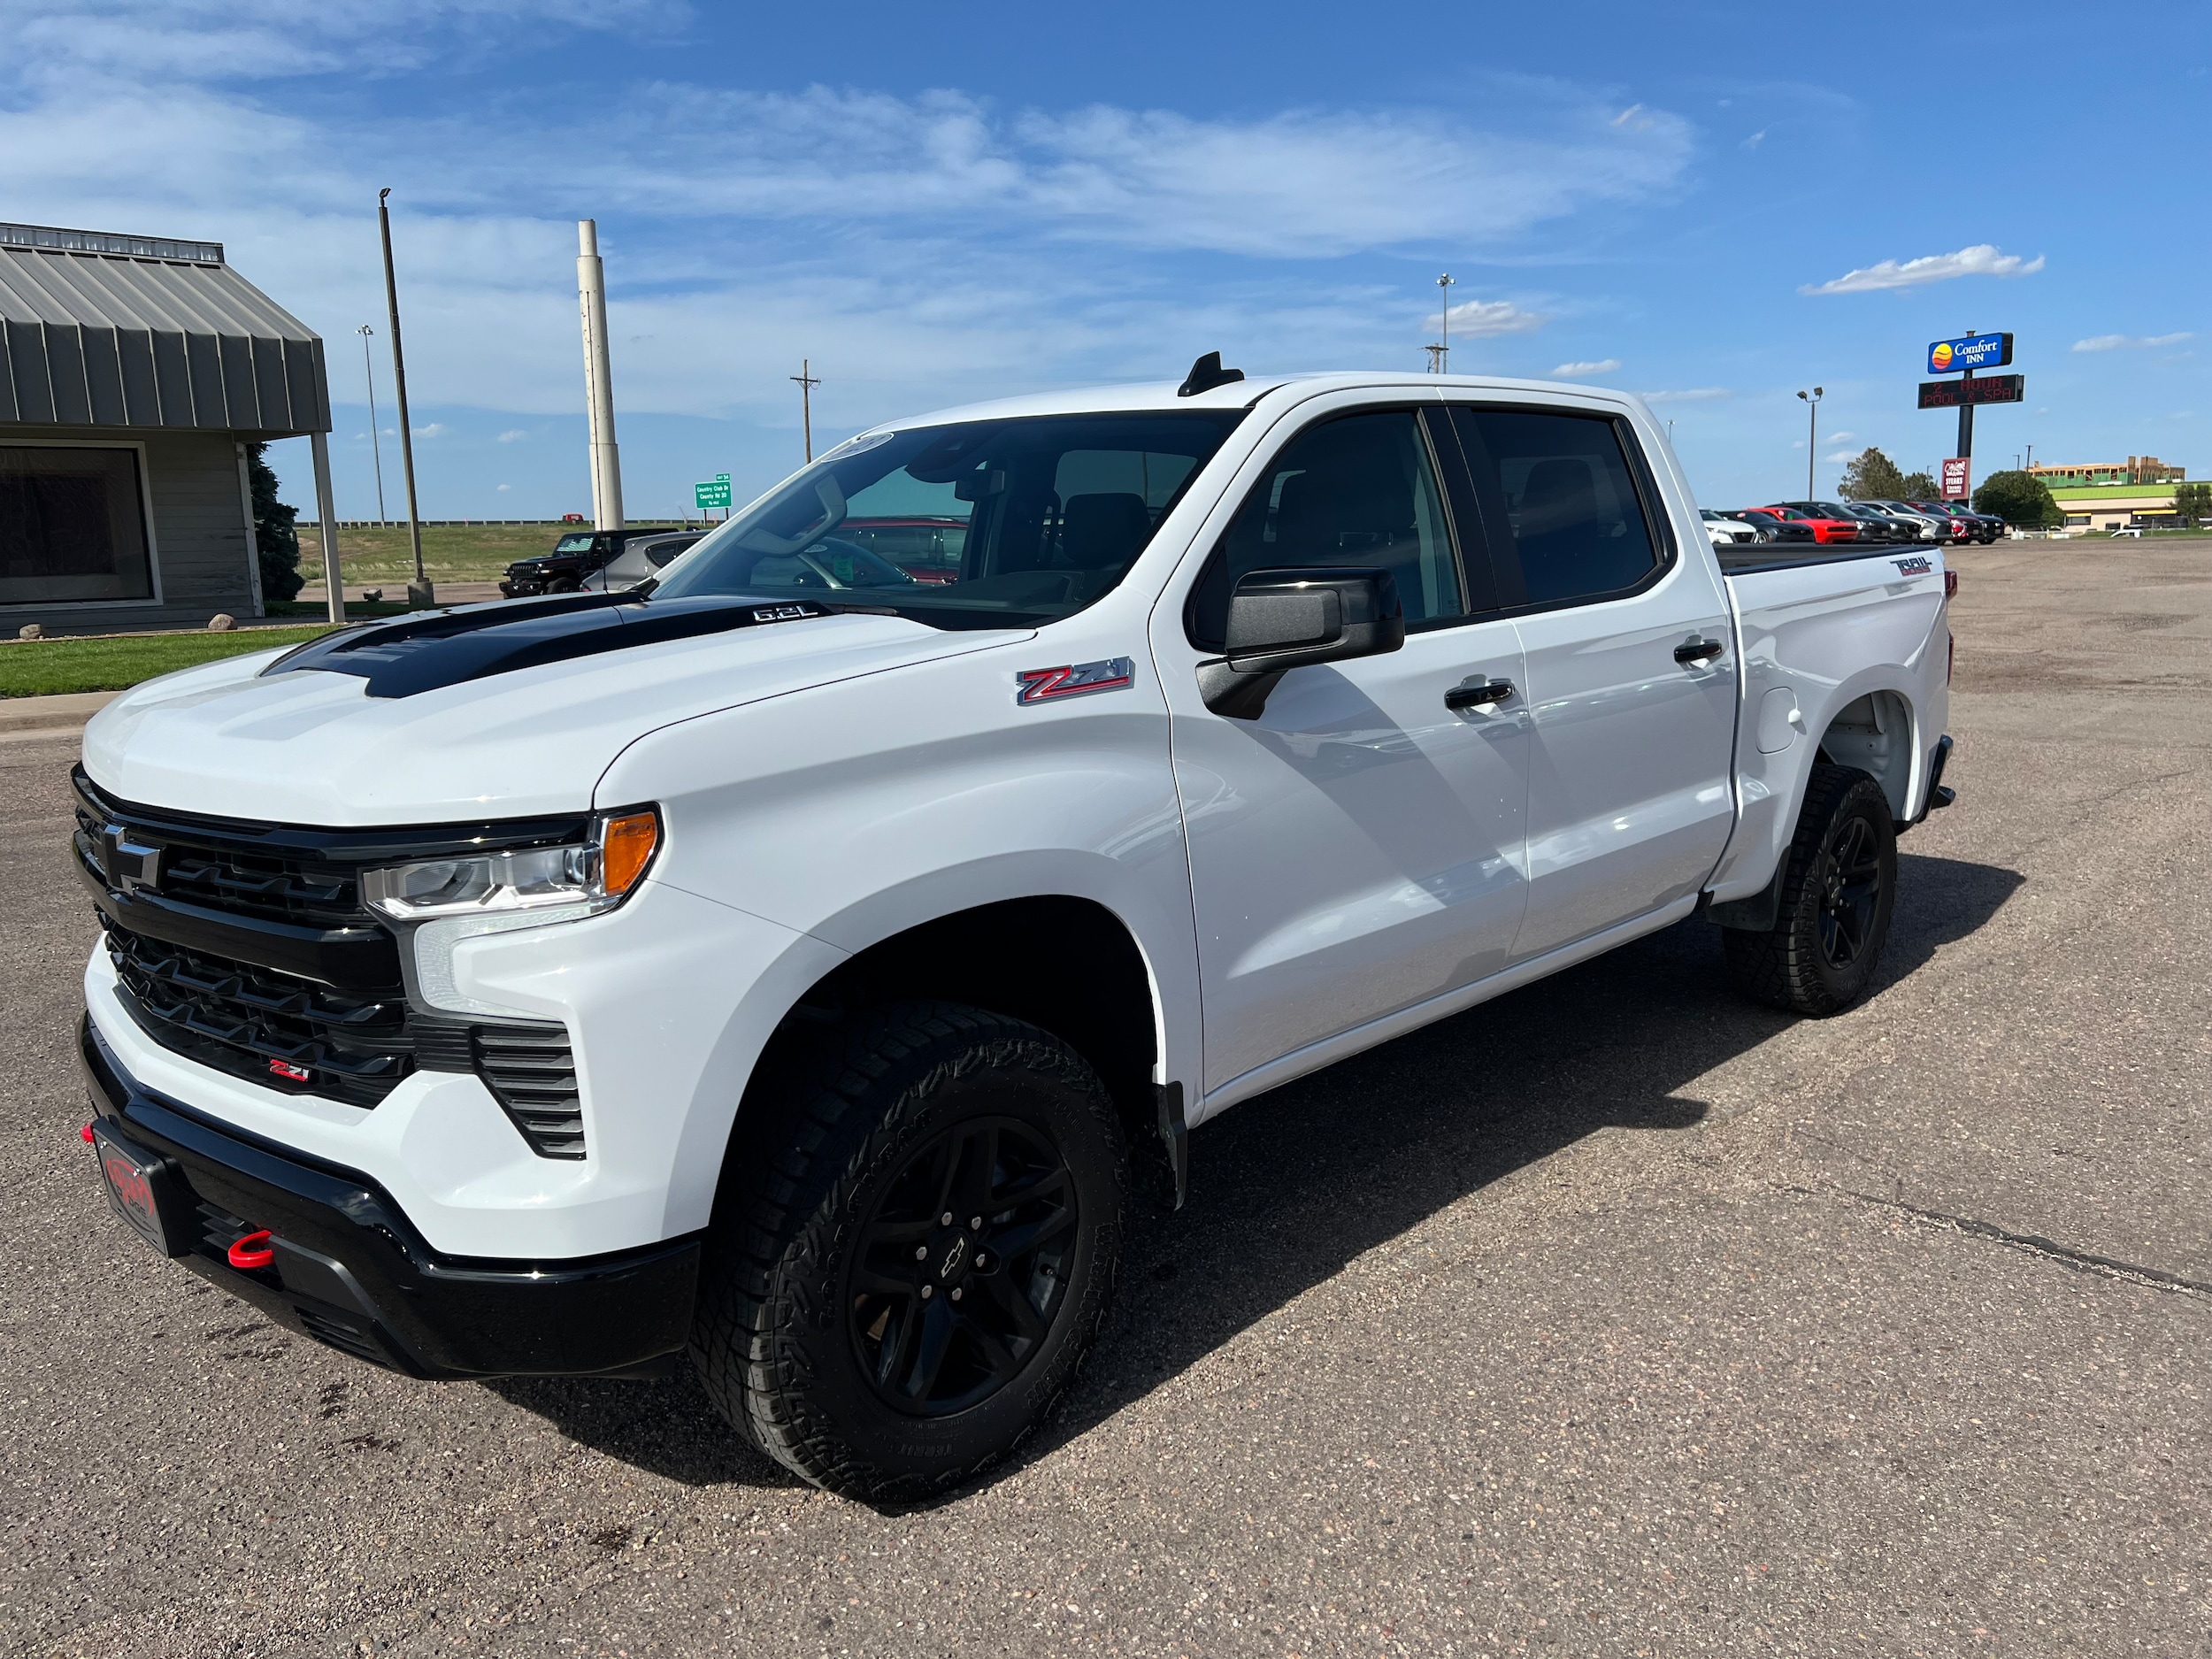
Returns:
point(1291, 1186)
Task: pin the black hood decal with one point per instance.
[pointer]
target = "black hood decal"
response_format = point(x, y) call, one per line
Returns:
point(415, 653)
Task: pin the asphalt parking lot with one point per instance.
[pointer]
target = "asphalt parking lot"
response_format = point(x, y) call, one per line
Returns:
point(1617, 1317)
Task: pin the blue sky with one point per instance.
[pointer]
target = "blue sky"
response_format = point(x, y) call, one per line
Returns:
point(1713, 203)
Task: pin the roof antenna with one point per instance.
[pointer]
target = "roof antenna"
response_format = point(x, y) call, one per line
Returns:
point(1206, 374)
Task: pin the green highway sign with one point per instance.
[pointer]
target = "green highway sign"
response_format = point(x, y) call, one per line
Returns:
point(713, 493)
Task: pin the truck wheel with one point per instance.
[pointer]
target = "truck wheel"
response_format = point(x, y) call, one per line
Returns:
point(1834, 919)
point(913, 1249)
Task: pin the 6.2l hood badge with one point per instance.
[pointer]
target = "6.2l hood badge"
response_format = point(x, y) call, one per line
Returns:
point(1075, 679)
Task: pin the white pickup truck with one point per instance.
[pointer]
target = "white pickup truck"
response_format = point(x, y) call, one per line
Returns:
point(798, 963)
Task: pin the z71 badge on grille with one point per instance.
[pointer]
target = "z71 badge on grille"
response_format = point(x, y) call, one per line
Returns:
point(1077, 679)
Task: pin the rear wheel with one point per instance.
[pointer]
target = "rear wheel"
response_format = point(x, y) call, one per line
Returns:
point(914, 1249)
point(1837, 893)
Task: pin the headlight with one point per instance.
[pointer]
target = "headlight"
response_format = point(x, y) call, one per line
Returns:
point(585, 878)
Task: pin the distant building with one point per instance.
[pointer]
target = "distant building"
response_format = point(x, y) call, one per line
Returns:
point(2137, 469)
point(133, 371)
point(2117, 506)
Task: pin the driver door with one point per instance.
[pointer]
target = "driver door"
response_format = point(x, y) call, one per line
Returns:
point(1359, 848)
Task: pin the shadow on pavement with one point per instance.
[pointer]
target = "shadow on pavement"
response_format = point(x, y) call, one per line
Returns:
point(1290, 1187)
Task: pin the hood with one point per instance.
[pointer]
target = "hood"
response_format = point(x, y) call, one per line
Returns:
point(493, 711)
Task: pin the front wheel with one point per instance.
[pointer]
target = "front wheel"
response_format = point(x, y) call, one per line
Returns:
point(914, 1249)
point(1837, 891)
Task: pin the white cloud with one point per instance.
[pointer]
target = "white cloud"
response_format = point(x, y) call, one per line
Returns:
point(505, 487)
point(1575, 370)
point(1483, 319)
point(1841, 456)
point(512, 435)
point(1694, 394)
point(1841, 437)
point(435, 429)
point(1755, 140)
point(2113, 342)
point(1982, 259)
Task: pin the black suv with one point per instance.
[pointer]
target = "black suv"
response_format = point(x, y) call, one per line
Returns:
point(574, 556)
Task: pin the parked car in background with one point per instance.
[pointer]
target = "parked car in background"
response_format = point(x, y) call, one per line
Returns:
point(576, 555)
point(1879, 525)
point(1725, 529)
point(1931, 526)
point(642, 560)
point(1826, 527)
point(1965, 525)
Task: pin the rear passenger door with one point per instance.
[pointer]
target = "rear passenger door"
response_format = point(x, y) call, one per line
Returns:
point(1630, 669)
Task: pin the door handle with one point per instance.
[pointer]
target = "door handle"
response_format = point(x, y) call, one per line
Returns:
point(1695, 651)
point(1473, 696)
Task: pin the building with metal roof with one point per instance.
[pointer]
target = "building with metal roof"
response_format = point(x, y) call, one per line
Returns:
point(133, 371)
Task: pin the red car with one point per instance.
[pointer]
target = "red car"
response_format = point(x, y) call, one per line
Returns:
point(927, 548)
point(1824, 530)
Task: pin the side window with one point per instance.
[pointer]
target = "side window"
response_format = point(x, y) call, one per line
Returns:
point(1562, 486)
point(1358, 491)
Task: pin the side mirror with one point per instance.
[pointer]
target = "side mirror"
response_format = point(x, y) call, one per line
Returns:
point(1283, 619)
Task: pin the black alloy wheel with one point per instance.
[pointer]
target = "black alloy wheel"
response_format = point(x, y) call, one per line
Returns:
point(963, 1268)
point(1838, 883)
point(917, 1235)
point(1850, 894)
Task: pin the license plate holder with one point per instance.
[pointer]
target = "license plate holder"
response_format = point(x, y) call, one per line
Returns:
point(143, 1188)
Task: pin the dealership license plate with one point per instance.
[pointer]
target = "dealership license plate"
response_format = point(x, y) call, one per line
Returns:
point(137, 1183)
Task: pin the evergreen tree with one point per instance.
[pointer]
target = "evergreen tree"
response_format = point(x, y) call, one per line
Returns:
point(2021, 499)
point(275, 531)
point(1873, 476)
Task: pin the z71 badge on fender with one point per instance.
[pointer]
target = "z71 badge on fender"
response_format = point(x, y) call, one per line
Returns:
point(1080, 680)
point(1914, 566)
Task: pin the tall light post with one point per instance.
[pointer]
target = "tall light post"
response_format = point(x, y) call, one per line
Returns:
point(1442, 349)
point(376, 443)
point(419, 591)
point(606, 459)
point(1812, 435)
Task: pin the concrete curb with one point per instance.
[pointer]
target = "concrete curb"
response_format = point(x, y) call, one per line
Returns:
point(22, 719)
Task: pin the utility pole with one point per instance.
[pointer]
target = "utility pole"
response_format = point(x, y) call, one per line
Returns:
point(1441, 352)
point(807, 383)
point(1812, 435)
point(606, 459)
point(419, 593)
point(376, 443)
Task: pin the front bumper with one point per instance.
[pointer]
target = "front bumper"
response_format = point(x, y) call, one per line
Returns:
point(350, 1271)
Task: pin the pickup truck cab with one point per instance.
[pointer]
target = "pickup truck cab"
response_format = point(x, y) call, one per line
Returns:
point(814, 994)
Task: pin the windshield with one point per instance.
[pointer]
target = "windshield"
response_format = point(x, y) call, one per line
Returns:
point(986, 524)
point(573, 544)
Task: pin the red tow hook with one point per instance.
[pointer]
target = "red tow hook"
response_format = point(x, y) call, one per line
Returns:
point(252, 1251)
point(86, 1133)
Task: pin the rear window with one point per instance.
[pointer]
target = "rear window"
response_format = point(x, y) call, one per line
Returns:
point(1572, 514)
point(573, 544)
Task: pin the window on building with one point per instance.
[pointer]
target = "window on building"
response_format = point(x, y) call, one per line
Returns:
point(72, 526)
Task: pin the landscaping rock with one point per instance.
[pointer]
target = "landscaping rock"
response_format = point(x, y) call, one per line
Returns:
point(31, 631)
point(221, 622)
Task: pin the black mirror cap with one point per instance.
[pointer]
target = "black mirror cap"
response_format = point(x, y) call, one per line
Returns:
point(1206, 374)
point(1282, 619)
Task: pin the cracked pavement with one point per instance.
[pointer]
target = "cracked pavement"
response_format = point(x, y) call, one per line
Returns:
point(1614, 1317)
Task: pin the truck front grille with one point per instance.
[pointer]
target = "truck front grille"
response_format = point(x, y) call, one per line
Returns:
point(354, 1042)
point(238, 1019)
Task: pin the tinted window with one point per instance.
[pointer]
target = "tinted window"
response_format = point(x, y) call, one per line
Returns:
point(1006, 522)
point(573, 544)
point(70, 526)
point(1356, 491)
point(1569, 504)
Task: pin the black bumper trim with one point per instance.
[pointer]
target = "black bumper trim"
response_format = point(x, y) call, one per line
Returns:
point(352, 1272)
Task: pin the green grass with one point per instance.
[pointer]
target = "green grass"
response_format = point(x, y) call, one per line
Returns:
point(450, 553)
point(44, 668)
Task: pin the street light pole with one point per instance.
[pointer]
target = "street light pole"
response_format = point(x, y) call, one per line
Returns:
point(1812, 435)
point(376, 443)
point(419, 591)
point(807, 381)
point(1444, 324)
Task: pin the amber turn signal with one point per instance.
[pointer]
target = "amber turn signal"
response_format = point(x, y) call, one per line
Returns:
point(626, 847)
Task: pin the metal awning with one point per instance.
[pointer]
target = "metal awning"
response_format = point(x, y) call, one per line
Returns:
point(102, 330)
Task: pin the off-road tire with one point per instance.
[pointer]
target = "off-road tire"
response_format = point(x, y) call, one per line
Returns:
point(1789, 966)
point(836, 1122)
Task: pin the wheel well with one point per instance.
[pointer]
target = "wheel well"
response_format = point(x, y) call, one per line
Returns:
point(1874, 733)
point(1066, 965)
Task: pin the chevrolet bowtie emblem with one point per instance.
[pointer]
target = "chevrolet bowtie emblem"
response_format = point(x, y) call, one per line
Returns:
point(130, 867)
